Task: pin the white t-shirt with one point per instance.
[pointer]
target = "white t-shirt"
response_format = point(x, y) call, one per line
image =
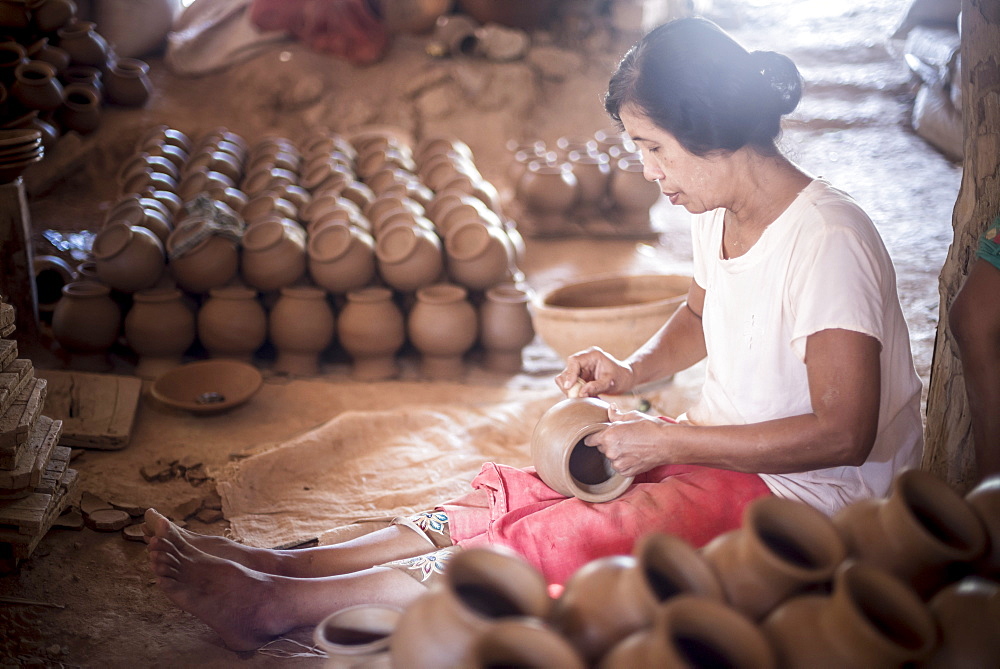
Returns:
point(820, 265)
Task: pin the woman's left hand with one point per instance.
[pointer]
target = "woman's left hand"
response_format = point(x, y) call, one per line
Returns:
point(633, 443)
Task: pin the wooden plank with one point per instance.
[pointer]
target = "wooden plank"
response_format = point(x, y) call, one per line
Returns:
point(6, 315)
point(97, 410)
point(16, 423)
point(67, 493)
point(8, 351)
point(32, 460)
point(13, 379)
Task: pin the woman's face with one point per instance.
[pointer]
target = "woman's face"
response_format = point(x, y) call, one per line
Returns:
point(684, 178)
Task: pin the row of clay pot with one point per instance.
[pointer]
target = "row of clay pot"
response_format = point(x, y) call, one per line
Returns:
point(582, 177)
point(232, 322)
point(57, 72)
point(909, 581)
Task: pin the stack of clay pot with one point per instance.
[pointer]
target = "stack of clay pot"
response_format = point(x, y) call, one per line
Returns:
point(910, 580)
point(367, 244)
point(582, 185)
point(57, 71)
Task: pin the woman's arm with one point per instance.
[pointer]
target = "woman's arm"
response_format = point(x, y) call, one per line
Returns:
point(677, 345)
point(844, 387)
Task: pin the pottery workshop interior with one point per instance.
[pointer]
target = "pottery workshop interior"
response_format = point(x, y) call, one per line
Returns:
point(287, 270)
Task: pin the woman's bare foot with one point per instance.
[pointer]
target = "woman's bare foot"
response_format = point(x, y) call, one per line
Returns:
point(237, 602)
point(259, 559)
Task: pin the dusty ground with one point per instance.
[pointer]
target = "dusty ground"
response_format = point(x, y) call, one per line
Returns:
point(853, 128)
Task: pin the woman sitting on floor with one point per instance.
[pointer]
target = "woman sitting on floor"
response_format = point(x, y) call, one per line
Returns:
point(810, 391)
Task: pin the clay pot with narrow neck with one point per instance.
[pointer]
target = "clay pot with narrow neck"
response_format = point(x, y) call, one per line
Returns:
point(480, 587)
point(524, 642)
point(358, 636)
point(341, 258)
point(409, 257)
point(301, 325)
point(48, 16)
point(84, 44)
point(47, 53)
point(372, 330)
point(609, 598)
point(81, 110)
point(923, 532)
point(872, 620)
point(564, 462)
point(505, 327)
point(86, 322)
point(443, 327)
point(128, 257)
point(783, 548)
point(36, 86)
point(690, 632)
point(201, 259)
point(232, 323)
point(51, 274)
point(127, 82)
point(160, 327)
point(274, 254)
point(478, 255)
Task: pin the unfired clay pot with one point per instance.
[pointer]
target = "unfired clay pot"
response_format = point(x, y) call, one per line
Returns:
point(593, 173)
point(689, 632)
point(783, 548)
point(631, 195)
point(128, 257)
point(83, 43)
point(48, 16)
point(212, 261)
point(562, 459)
point(442, 326)
point(51, 274)
point(523, 642)
point(160, 326)
point(608, 599)
point(358, 636)
point(86, 322)
point(341, 258)
point(372, 329)
point(968, 617)
point(409, 257)
point(985, 501)
point(548, 189)
point(923, 532)
point(36, 86)
point(232, 323)
point(505, 327)
point(481, 586)
point(302, 325)
point(871, 620)
point(274, 254)
point(478, 255)
point(127, 83)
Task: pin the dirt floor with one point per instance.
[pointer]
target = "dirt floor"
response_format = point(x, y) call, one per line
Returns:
point(95, 602)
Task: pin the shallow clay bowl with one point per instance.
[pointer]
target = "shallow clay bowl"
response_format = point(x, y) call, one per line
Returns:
point(11, 171)
point(7, 152)
point(616, 312)
point(18, 136)
point(208, 386)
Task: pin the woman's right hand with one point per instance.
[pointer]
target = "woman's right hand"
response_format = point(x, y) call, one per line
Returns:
point(593, 372)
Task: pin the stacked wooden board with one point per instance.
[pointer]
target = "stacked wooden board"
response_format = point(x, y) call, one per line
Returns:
point(36, 483)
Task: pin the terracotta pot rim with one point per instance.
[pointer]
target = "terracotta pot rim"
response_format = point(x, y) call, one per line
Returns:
point(441, 293)
point(369, 294)
point(389, 615)
point(85, 289)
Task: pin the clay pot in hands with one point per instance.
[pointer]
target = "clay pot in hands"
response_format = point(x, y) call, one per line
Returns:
point(480, 587)
point(302, 325)
point(562, 459)
point(128, 257)
point(409, 257)
point(872, 620)
point(505, 327)
point(690, 632)
point(610, 598)
point(479, 255)
point(985, 502)
point(924, 532)
point(372, 329)
point(358, 636)
point(127, 83)
point(783, 548)
point(522, 642)
point(160, 327)
point(232, 323)
point(967, 614)
point(83, 43)
point(200, 259)
point(274, 254)
point(36, 86)
point(442, 326)
point(86, 322)
point(341, 258)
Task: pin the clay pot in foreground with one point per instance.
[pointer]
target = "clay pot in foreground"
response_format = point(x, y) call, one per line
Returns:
point(358, 636)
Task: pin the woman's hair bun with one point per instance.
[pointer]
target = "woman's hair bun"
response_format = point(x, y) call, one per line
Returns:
point(781, 77)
